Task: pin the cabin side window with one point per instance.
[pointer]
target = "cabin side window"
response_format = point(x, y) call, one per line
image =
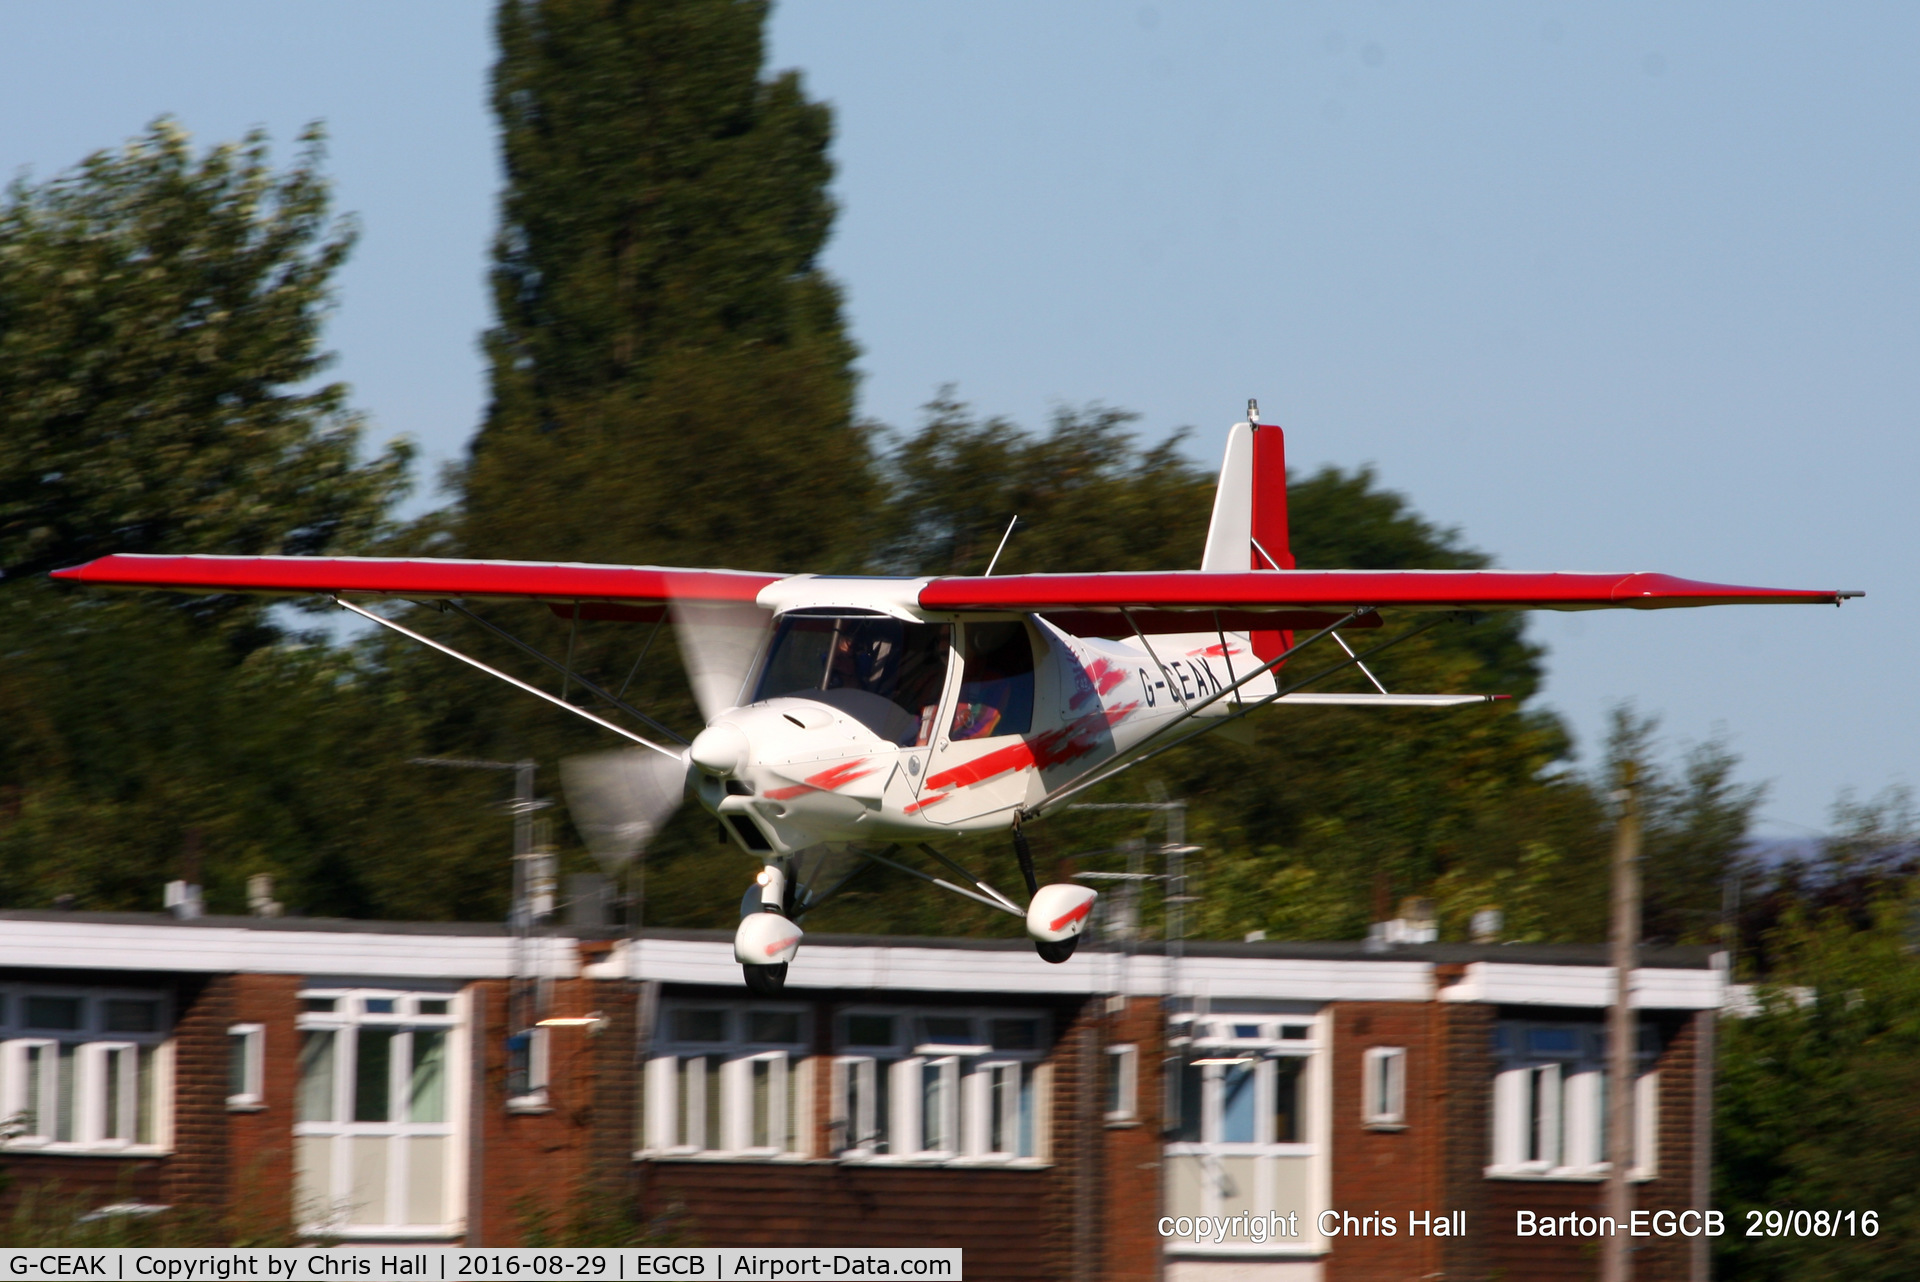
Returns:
point(996, 681)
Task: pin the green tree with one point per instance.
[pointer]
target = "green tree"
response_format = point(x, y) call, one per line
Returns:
point(160, 314)
point(1816, 1098)
point(159, 333)
point(671, 379)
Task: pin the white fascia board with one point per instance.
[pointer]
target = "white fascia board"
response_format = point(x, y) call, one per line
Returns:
point(907, 968)
point(1512, 984)
point(234, 950)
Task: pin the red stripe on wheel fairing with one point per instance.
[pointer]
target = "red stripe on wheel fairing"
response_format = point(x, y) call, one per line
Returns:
point(1073, 916)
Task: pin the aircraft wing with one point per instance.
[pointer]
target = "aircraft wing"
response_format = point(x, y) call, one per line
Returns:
point(617, 589)
point(1343, 590)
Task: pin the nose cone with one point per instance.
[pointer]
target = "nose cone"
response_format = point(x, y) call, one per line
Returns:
point(720, 750)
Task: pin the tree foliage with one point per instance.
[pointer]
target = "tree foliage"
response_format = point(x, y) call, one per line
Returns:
point(160, 316)
point(1817, 1087)
point(671, 379)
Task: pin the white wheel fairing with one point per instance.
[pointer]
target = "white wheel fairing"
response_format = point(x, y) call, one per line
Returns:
point(1060, 911)
point(766, 939)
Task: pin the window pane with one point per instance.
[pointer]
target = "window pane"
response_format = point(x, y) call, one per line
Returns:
point(1025, 1137)
point(700, 1026)
point(379, 1005)
point(116, 1075)
point(878, 1127)
point(1116, 1081)
point(1015, 1034)
point(433, 1006)
point(933, 1108)
point(1192, 1092)
point(53, 1012)
point(1003, 1103)
point(1295, 1032)
point(996, 682)
point(37, 1058)
point(132, 1016)
point(143, 1096)
point(1288, 1126)
point(314, 1100)
point(869, 1030)
point(236, 1063)
point(713, 1103)
point(427, 1077)
point(773, 1026)
point(1246, 1030)
point(762, 1130)
point(373, 1075)
point(1237, 1104)
point(790, 1140)
point(949, 1031)
point(63, 1107)
point(319, 1004)
point(693, 1124)
point(1553, 1041)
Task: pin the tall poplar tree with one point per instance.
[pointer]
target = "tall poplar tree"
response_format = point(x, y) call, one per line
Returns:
point(671, 379)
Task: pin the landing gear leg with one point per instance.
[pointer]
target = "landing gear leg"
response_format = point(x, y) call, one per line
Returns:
point(766, 940)
point(1025, 854)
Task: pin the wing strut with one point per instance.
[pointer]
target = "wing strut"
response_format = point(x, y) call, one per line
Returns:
point(997, 900)
point(1101, 773)
point(536, 691)
point(566, 669)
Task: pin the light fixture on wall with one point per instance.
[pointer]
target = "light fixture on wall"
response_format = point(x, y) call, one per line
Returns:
point(594, 1022)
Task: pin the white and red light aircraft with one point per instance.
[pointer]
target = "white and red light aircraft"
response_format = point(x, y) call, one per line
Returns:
point(848, 716)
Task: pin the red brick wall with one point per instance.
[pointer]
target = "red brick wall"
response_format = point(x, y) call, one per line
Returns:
point(197, 1174)
point(533, 1167)
point(999, 1217)
point(260, 1143)
point(1387, 1172)
point(1463, 1046)
point(1133, 1154)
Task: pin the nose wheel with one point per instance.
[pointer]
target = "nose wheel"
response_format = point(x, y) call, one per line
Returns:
point(1056, 950)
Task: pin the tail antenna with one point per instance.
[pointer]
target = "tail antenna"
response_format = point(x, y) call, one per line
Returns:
point(1253, 412)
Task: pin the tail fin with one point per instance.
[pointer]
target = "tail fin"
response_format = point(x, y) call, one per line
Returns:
point(1249, 528)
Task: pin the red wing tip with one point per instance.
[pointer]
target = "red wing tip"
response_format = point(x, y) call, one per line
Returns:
point(72, 572)
point(1498, 697)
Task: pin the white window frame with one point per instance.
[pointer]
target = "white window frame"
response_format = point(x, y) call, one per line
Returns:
point(90, 1048)
point(252, 1095)
point(346, 1021)
point(14, 1103)
point(539, 1073)
point(967, 1072)
point(1123, 1070)
point(1383, 1090)
point(859, 1131)
point(1265, 1040)
point(1569, 1087)
point(673, 1087)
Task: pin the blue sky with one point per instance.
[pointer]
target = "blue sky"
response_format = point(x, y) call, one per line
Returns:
point(1614, 288)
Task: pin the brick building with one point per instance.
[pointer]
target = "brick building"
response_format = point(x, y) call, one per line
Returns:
point(451, 1083)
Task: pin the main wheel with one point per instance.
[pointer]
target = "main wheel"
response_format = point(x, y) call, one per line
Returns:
point(767, 981)
point(1056, 950)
